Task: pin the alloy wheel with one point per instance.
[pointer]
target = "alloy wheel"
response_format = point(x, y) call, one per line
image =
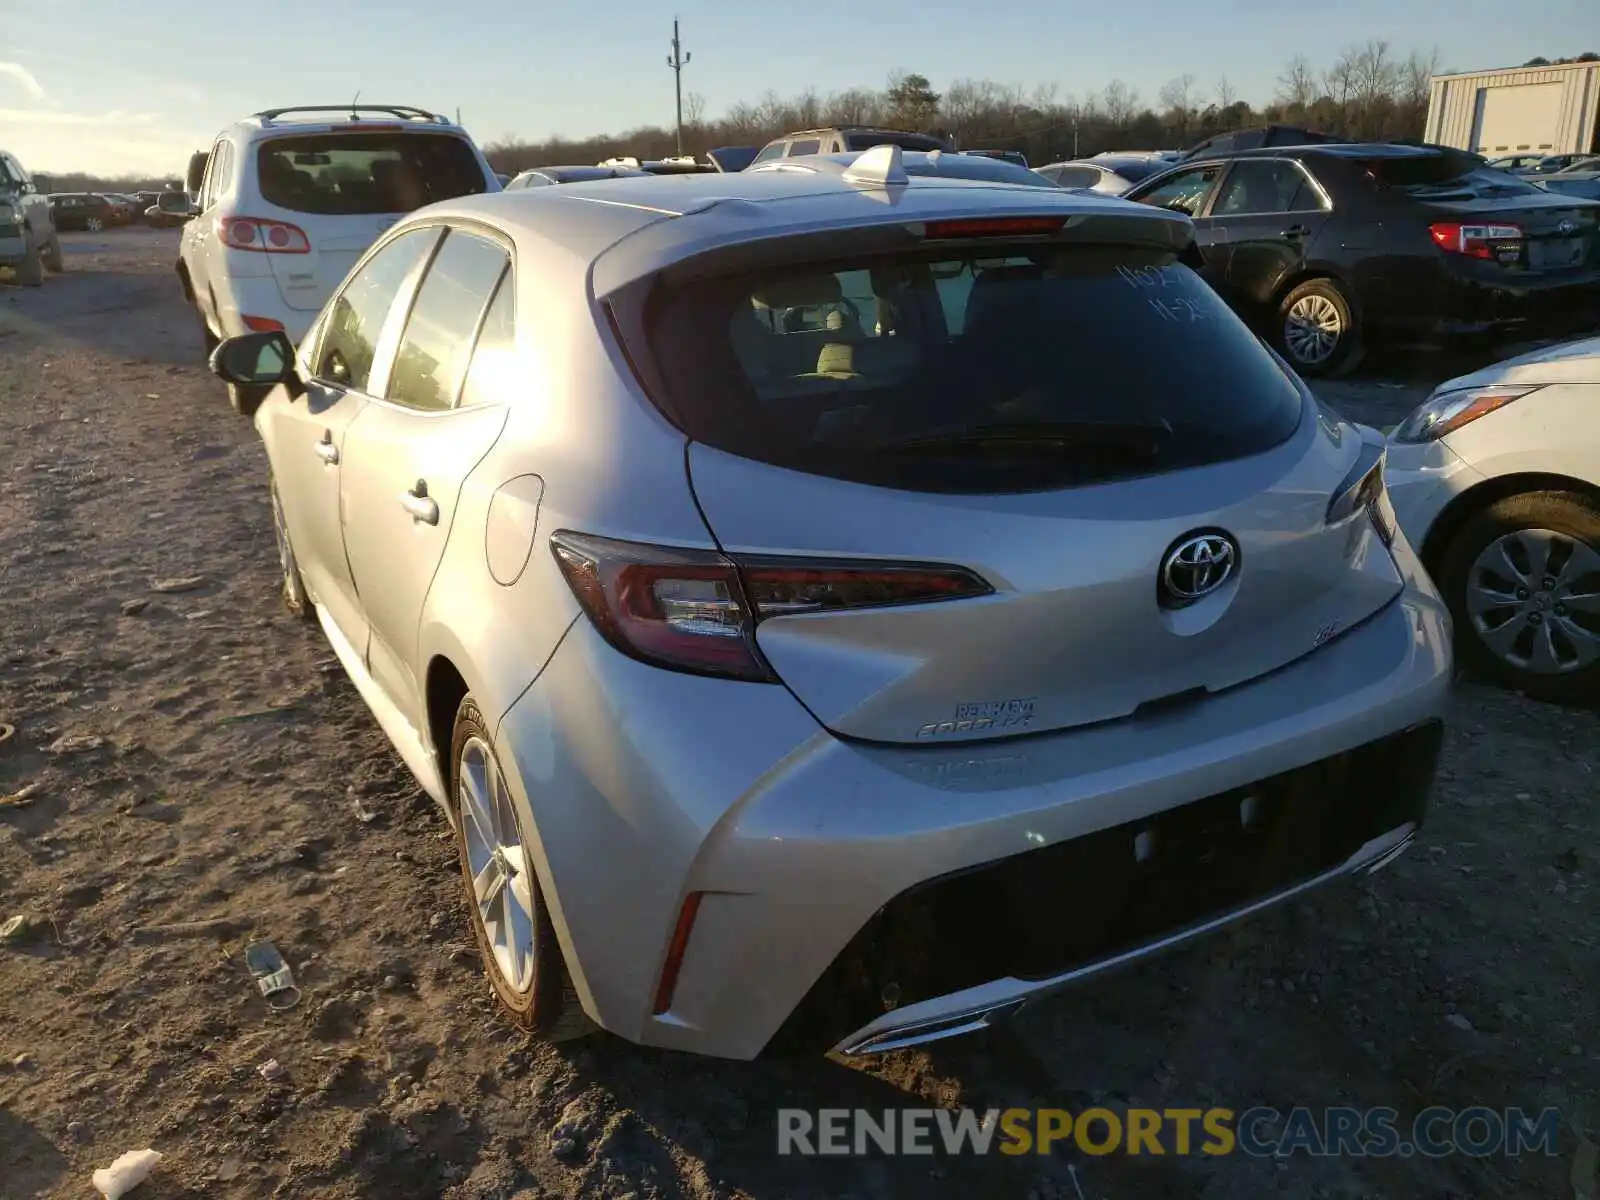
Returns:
point(502, 880)
point(93, 225)
point(1533, 597)
point(1312, 329)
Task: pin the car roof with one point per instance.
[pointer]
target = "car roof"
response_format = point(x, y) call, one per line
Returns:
point(1329, 150)
point(639, 226)
point(403, 118)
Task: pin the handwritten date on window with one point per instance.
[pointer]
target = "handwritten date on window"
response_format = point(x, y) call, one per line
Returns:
point(1171, 305)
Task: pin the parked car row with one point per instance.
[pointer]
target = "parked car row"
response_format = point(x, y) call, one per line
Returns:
point(660, 520)
point(722, 503)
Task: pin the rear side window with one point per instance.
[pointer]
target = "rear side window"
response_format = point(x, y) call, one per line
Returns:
point(366, 173)
point(768, 153)
point(491, 376)
point(865, 369)
point(356, 319)
point(432, 359)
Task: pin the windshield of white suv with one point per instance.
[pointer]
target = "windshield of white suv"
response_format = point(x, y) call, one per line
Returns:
point(1001, 369)
point(364, 173)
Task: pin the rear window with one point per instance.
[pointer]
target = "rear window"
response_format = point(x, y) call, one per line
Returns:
point(1135, 169)
point(906, 141)
point(364, 173)
point(1446, 175)
point(833, 369)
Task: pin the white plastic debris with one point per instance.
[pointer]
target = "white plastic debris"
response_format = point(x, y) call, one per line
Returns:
point(128, 1172)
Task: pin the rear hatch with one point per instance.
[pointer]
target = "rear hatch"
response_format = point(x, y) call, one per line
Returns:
point(1038, 426)
point(1495, 216)
point(343, 187)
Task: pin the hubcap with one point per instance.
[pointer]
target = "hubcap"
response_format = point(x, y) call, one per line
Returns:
point(502, 885)
point(1312, 328)
point(1533, 597)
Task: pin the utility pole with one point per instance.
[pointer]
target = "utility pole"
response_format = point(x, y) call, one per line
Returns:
point(677, 60)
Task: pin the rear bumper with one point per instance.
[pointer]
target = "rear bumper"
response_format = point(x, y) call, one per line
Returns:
point(1473, 302)
point(258, 296)
point(647, 786)
point(1013, 931)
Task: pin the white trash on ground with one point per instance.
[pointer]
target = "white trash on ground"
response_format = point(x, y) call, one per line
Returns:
point(125, 1174)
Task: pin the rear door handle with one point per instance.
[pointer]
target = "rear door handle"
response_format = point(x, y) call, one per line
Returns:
point(326, 450)
point(420, 505)
point(1295, 231)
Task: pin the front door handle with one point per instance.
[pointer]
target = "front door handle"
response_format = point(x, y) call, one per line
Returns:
point(1294, 231)
point(326, 450)
point(420, 505)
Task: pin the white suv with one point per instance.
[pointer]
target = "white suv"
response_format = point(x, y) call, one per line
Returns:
point(291, 197)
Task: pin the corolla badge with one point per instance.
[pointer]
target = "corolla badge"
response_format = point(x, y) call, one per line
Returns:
point(1199, 565)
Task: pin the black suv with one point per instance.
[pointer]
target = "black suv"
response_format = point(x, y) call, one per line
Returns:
point(1331, 246)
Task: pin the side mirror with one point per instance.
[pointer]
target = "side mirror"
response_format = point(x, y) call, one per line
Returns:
point(256, 360)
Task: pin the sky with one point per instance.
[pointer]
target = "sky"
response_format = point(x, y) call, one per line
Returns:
point(114, 87)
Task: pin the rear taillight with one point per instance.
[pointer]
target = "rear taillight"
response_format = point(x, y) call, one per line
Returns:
point(697, 610)
point(1364, 490)
point(1490, 242)
point(263, 236)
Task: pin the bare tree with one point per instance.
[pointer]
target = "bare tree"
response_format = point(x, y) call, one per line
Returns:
point(1225, 93)
point(1297, 86)
point(694, 108)
point(1121, 102)
point(1178, 103)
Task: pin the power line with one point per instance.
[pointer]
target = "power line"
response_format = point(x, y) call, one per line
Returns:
point(677, 60)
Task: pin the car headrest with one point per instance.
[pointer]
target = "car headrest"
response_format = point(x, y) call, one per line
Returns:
point(803, 292)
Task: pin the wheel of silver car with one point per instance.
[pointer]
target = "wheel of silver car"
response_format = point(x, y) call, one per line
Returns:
point(1317, 328)
point(509, 920)
point(93, 224)
point(292, 586)
point(51, 255)
point(1523, 580)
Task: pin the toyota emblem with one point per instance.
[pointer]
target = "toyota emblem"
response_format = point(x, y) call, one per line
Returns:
point(1199, 565)
point(1567, 226)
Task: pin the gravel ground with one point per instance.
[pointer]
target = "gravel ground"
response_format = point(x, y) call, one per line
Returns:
point(185, 752)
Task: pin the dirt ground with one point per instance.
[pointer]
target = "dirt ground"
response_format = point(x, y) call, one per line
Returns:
point(184, 751)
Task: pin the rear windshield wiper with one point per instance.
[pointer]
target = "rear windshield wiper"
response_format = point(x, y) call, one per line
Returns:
point(1142, 438)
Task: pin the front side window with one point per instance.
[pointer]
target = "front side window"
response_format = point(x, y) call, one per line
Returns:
point(1184, 192)
point(879, 369)
point(432, 359)
point(366, 173)
point(809, 146)
point(357, 315)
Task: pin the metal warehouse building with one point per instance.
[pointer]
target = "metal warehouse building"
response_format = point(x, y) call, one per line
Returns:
point(1550, 110)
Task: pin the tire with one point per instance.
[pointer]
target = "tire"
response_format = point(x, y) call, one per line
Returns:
point(1316, 329)
point(538, 996)
point(30, 271)
point(1548, 648)
point(53, 262)
point(244, 399)
point(291, 587)
point(93, 224)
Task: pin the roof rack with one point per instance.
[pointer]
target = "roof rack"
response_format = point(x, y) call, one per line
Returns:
point(406, 112)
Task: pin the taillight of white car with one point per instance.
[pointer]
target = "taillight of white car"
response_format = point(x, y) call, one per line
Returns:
point(263, 236)
point(1444, 412)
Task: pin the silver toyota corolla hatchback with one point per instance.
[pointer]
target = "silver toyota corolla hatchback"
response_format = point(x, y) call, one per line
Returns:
point(836, 609)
